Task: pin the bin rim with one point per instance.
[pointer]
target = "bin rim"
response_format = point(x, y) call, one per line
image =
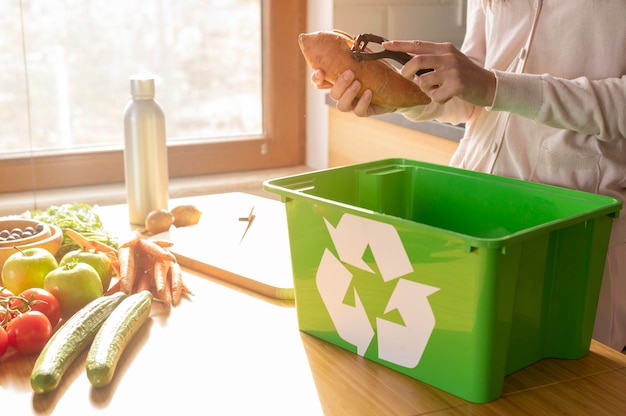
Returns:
point(611, 208)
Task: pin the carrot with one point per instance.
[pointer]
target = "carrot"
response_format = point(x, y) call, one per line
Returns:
point(101, 247)
point(145, 280)
point(176, 282)
point(152, 248)
point(166, 296)
point(87, 244)
point(186, 290)
point(161, 268)
point(161, 275)
point(163, 243)
point(116, 266)
point(79, 239)
point(144, 270)
point(115, 287)
point(131, 241)
point(127, 268)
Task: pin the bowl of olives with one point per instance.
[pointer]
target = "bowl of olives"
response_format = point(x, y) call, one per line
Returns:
point(17, 232)
point(32, 233)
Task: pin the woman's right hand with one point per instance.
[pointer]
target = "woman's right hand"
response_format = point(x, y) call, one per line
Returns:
point(344, 92)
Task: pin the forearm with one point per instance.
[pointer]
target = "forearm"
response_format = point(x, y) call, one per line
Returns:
point(454, 111)
point(595, 108)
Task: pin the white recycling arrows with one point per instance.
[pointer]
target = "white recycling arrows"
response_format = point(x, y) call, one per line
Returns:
point(399, 344)
point(352, 324)
point(405, 344)
point(352, 236)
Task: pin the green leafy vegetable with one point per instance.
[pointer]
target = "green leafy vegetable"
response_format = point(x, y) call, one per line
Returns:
point(80, 217)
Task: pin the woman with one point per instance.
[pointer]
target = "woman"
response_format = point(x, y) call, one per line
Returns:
point(541, 88)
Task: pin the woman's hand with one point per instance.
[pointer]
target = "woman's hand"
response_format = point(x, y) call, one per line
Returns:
point(344, 91)
point(454, 75)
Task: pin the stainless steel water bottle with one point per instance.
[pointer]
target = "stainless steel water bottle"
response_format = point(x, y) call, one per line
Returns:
point(145, 151)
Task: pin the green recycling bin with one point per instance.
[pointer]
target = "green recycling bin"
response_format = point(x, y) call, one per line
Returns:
point(452, 277)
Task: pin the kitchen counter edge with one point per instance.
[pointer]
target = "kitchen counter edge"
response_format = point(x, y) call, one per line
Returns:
point(435, 128)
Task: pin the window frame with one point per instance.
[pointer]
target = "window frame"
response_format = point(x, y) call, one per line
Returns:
point(282, 144)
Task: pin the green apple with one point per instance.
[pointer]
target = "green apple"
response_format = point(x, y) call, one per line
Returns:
point(74, 285)
point(96, 259)
point(26, 269)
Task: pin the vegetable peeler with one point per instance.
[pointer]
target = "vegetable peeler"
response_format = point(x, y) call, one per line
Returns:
point(360, 53)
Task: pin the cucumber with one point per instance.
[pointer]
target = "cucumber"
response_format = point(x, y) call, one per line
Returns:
point(114, 335)
point(69, 341)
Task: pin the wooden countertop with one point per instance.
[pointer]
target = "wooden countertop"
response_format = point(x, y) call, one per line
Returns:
point(231, 351)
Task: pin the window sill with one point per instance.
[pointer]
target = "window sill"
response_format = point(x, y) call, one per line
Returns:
point(112, 194)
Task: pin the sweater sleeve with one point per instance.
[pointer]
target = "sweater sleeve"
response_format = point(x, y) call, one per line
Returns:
point(596, 108)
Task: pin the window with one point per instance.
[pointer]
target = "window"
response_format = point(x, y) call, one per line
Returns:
point(231, 102)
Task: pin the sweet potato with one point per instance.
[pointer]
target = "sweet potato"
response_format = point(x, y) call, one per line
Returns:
point(330, 52)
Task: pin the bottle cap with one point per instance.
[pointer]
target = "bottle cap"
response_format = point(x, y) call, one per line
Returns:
point(142, 86)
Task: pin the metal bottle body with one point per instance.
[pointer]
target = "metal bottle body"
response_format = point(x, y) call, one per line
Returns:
point(145, 153)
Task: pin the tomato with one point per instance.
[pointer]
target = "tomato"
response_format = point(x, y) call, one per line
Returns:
point(4, 341)
point(5, 293)
point(40, 300)
point(4, 319)
point(29, 332)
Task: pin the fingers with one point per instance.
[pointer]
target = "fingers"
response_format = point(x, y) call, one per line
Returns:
point(345, 90)
point(426, 55)
point(362, 107)
point(449, 78)
point(418, 63)
point(459, 78)
point(418, 47)
point(318, 80)
point(343, 83)
point(346, 93)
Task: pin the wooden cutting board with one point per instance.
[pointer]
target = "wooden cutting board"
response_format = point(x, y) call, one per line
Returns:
point(240, 238)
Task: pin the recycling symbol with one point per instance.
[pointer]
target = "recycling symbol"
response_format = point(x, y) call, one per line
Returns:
point(399, 343)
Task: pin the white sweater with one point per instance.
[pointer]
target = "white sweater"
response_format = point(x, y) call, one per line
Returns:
point(559, 112)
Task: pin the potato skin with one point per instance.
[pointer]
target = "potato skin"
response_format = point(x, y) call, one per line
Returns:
point(330, 52)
